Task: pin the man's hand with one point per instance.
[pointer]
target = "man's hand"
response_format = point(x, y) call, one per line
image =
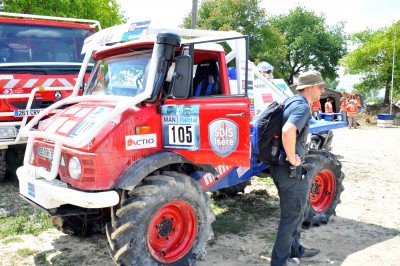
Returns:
point(289, 141)
point(297, 160)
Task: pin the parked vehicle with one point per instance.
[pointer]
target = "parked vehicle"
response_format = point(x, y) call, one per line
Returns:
point(36, 52)
point(159, 124)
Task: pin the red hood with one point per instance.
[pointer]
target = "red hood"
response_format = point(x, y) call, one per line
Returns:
point(76, 120)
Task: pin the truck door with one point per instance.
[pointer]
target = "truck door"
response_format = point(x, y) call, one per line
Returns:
point(211, 126)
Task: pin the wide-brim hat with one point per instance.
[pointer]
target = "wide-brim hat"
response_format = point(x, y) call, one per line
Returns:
point(309, 78)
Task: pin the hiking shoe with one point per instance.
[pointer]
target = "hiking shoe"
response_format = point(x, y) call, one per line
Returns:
point(292, 262)
point(310, 252)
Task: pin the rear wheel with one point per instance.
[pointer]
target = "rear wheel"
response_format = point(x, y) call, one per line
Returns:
point(164, 221)
point(326, 185)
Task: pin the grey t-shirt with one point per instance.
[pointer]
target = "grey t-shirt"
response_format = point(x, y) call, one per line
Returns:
point(297, 112)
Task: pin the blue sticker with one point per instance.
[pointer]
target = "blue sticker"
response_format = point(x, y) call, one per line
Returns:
point(136, 30)
point(31, 189)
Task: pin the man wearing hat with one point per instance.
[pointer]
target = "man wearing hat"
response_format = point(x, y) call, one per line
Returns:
point(293, 188)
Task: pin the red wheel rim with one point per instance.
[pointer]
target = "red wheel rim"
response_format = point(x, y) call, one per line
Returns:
point(322, 191)
point(172, 231)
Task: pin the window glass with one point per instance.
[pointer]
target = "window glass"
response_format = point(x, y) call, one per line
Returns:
point(121, 76)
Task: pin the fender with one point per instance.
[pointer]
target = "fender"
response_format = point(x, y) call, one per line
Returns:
point(146, 165)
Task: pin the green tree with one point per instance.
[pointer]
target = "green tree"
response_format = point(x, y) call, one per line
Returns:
point(272, 48)
point(108, 12)
point(332, 84)
point(373, 60)
point(244, 16)
point(309, 44)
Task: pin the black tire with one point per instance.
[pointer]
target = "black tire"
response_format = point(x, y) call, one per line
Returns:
point(82, 225)
point(147, 226)
point(326, 185)
point(3, 166)
point(14, 159)
point(233, 190)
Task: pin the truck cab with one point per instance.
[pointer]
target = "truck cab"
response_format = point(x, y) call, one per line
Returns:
point(40, 58)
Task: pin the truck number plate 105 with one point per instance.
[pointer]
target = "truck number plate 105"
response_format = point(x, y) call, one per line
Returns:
point(27, 112)
point(181, 134)
point(45, 152)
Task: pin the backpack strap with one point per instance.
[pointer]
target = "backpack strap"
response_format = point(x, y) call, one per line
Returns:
point(282, 151)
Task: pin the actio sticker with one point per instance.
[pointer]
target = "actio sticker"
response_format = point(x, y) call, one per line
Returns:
point(135, 142)
point(223, 136)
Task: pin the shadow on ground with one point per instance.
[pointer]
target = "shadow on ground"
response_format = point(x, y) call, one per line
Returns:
point(338, 240)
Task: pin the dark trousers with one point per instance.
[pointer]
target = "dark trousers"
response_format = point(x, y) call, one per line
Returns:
point(293, 196)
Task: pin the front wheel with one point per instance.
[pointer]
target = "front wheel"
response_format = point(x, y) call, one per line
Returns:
point(325, 174)
point(164, 221)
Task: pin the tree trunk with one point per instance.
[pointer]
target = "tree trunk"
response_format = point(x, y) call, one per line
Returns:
point(387, 94)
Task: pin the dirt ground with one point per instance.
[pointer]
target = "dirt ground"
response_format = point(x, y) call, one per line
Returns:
point(366, 230)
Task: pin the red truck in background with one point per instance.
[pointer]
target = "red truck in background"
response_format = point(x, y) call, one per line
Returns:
point(40, 58)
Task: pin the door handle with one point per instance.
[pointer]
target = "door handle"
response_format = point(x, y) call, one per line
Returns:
point(241, 115)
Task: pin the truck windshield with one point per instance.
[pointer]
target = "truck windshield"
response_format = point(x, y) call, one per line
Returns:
point(33, 43)
point(121, 76)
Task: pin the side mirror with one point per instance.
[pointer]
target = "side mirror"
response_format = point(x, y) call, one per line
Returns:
point(183, 77)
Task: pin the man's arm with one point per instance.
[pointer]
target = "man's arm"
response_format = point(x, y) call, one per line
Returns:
point(289, 135)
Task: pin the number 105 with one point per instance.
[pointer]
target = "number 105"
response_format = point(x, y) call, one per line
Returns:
point(180, 134)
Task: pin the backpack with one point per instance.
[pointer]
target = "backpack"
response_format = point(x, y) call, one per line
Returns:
point(267, 133)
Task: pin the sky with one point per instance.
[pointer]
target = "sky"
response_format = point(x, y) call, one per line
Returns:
point(357, 14)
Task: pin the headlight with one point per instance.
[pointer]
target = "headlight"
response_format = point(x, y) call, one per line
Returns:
point(74, 168)
point(8, 132)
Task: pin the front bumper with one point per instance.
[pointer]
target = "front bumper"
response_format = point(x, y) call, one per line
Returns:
point(54, 193)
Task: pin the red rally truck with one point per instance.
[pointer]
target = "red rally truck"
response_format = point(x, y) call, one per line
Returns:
point(159, 124)
point(40, 58)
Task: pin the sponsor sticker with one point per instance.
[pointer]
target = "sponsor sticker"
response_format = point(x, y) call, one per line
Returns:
point(223, 136)
point(135, 142)
point(180, 126)
point(136, 30)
